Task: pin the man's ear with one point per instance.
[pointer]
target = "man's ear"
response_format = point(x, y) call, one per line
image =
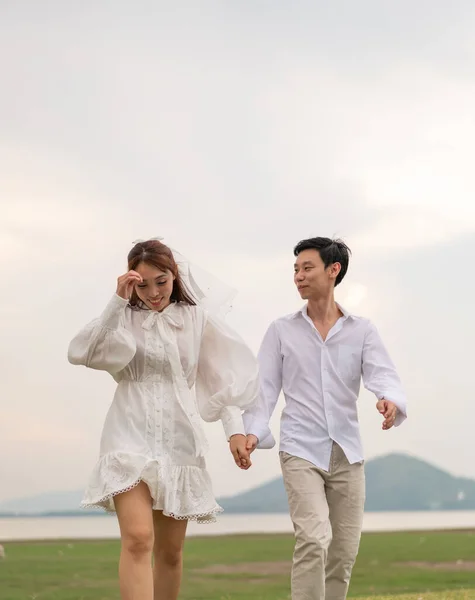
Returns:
point(335, 269)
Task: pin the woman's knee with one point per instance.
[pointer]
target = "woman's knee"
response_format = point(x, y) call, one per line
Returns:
point(138, 542)
point(170, 555)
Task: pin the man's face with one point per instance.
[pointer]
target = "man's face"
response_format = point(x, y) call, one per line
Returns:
point(313, 281)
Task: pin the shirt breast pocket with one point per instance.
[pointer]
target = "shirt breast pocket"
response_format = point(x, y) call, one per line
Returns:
point(349, 362)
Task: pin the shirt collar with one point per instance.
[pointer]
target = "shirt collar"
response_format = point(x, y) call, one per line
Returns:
point(303, 311)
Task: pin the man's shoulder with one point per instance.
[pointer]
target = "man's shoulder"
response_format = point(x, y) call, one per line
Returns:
point(285, 319)
point(359, 319)
point(358, 322)
point(285, 323)
point(288, 317)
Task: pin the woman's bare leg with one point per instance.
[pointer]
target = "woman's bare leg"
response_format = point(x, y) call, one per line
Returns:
point(134, 511)
point(168, 555)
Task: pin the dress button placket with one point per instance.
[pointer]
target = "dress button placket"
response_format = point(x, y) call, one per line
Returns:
point(158, 407)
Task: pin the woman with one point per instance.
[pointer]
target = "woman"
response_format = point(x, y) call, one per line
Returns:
point(173, 363)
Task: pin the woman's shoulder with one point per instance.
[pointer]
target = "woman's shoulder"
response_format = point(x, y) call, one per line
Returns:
point(193, 310)
point(193, 314)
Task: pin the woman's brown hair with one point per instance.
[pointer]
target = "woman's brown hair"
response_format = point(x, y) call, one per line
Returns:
point(156, 254)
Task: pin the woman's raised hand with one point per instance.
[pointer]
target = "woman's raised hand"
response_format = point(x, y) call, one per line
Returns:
point(126, 283)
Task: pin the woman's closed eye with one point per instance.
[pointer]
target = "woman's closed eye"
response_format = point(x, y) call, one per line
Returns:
point(144, 285)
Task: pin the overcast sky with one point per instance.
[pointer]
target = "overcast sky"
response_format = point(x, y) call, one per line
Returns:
point(234, 129)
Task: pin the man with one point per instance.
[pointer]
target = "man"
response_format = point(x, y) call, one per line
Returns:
point(317, 357)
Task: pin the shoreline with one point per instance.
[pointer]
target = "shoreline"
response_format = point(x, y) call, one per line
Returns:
point(105, 527)
point(99, 540)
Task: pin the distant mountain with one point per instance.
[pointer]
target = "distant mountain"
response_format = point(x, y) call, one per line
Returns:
point(401, 482)
point(267, 498)
point(396, 482)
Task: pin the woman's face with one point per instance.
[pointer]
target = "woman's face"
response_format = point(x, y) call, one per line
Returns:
point(156, 286)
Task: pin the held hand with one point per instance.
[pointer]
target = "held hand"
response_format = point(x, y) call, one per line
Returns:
point(237, 445)
point(389, 411)
point(126, 283)
point(251, 442)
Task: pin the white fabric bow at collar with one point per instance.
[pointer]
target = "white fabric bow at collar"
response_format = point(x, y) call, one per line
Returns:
point(169, 315)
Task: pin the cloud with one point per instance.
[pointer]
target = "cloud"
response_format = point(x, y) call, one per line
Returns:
point(234, 132)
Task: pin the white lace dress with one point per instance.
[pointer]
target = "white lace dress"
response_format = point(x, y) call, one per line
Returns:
point(173, 368)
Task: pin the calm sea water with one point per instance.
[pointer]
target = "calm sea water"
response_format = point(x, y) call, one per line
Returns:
point(105, 527)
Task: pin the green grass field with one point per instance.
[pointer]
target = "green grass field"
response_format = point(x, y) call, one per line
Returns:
point(406, 566)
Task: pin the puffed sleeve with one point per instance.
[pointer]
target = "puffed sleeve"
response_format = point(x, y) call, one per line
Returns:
point(228, 377)
point(104, 344)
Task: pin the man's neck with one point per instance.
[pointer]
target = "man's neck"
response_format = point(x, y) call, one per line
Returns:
point(323, 310)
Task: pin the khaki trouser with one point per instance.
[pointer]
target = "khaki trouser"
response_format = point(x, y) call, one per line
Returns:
point(327, 512)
